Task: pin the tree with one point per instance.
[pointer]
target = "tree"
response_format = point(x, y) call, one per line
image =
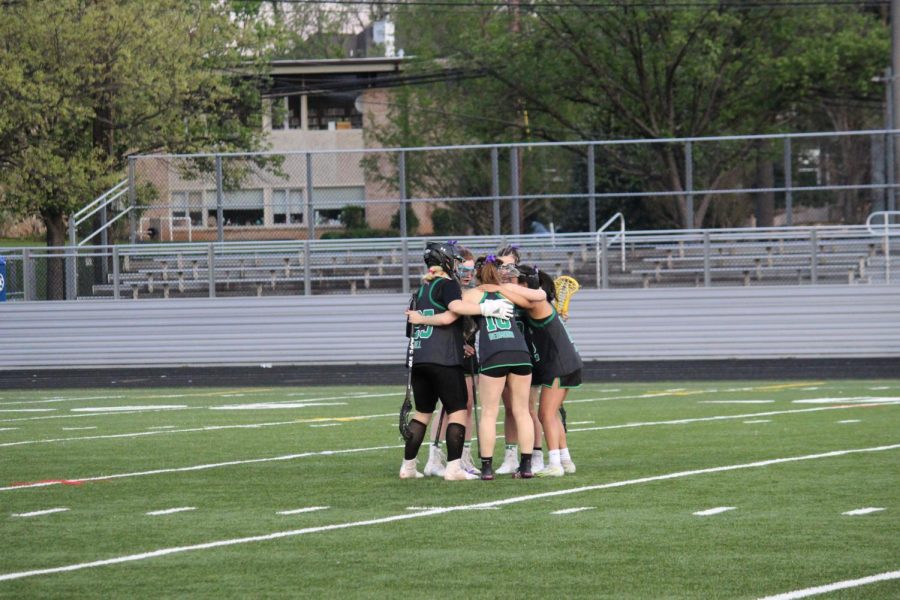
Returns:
point(84, 83)
point(582, 72)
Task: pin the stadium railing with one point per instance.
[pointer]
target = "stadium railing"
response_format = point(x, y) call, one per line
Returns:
point(723, 257)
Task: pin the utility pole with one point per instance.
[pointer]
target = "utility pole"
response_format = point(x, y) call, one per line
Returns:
point(895, 87)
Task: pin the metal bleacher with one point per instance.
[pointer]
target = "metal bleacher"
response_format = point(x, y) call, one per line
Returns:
point(735, 257)
point(853, 255)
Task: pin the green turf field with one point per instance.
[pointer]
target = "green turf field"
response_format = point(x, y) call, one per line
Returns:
point(788, 461)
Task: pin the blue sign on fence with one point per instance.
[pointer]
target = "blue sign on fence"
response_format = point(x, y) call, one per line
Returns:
point(2, 279)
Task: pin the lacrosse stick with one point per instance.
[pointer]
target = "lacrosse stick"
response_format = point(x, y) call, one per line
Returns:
point(565, 288)
point(406, 407)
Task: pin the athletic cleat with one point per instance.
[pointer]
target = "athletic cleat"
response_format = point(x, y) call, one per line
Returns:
point(568, 466)
point(467, 464)
point(455, 472)
point(434, 469)
point(510, 462)
point(408, 470)
point(552, 471)
point(519, 474)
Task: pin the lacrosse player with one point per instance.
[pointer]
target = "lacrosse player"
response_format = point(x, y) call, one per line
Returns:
point(438, 357)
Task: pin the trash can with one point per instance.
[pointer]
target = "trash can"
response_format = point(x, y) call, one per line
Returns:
point(2, 279)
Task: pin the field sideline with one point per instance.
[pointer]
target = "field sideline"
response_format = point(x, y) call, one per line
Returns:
point(683, 490)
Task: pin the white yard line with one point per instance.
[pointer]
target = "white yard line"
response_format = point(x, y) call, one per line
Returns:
point(168, 429)
point(713, 511)
point(103, 409)
point(850, 421)
point(862, 511)
point(727, 417)
point(26, 410)
point(91, 414)
point(431, 512)
point(52, 400)
point(298, 511)
point(569, 511)
point(230, 463)
point(850, 400)
point(735, 402)
point(77, 428)
point(275, 405)
point(327, 425)
point(8, 428)
point(171, 511)
point(833, 587)
point(327, 452)
point(40, 513)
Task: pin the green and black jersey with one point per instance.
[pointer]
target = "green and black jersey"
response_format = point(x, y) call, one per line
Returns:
point(498, 335)
point(555, 353)
point(435, 345)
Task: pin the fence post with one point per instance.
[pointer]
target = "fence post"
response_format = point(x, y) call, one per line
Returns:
point(495, 187)
point(401, 175)
point(71, 273)
point(405, 246)
point(116, 277)
point(814, 259)
point(788, 184)
point(72, 238)
point(211, 269)
point(514, 188)
point(307, 268)
point(28, 282)
point(604, 262)
point(706, 273)
point(689, 184)
point(132, 202)
point(404, 228)
point(310, 213)
point(220, 203)
point(890, 140)
point(591, 185)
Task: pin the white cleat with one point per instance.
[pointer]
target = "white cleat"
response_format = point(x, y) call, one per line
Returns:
point(455, 472)
point(408, 470)
point(435, 465)
point(434, 469)
point(467, 464)
point(551, 471)
point(510, 463)
point(568, 466)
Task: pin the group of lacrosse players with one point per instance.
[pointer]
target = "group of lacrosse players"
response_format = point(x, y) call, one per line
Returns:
point(525, 359)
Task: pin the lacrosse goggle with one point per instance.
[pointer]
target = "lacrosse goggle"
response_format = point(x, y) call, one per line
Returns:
point(508, 271)
point(466, 275)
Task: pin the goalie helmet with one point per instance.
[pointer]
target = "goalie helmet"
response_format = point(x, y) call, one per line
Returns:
point(443, 255)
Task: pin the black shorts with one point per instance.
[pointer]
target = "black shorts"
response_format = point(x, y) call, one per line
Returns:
point(506, 363)
point(572, 380)
point(432, 382)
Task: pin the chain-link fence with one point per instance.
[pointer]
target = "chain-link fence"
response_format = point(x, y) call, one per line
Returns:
point(511, 189)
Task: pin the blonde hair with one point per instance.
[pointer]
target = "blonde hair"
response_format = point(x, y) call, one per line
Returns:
point(433, 273)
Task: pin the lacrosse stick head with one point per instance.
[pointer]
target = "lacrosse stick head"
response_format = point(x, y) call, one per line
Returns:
point(565, 288)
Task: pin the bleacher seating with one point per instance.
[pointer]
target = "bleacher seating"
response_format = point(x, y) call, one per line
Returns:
point(787, 256)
